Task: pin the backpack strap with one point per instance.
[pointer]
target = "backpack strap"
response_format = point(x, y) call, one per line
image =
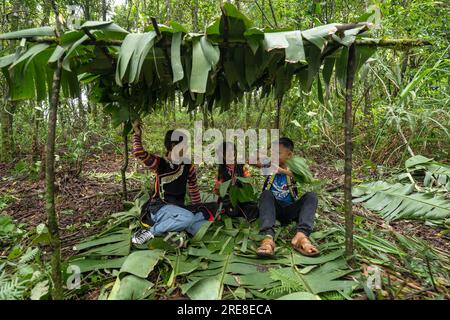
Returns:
point(292, 185)
point(269, 181)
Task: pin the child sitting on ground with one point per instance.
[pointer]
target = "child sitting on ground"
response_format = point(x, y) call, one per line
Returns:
point(279, 200)
point(165, 211)
point(230, 169)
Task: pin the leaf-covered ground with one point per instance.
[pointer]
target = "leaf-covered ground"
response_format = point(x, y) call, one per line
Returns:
point(413, 257)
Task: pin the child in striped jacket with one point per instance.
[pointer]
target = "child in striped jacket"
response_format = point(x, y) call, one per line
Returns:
point(165, 211)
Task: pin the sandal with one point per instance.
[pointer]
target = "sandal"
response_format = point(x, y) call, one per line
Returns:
point(305, 242)
point(267, 248)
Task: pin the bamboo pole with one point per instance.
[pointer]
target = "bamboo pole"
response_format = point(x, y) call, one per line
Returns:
point(52, 218)
point(392, 43)
point(370, 42)
point(351, 66)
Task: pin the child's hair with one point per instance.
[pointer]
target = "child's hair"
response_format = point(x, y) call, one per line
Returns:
point(222, 173)
point(169, 143)
point(287, 143)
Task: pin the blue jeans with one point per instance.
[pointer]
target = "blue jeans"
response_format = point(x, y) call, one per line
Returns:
point(175, 218)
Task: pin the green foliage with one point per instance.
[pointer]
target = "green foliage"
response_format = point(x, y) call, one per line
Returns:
point(117, 243)
point(399, 201)
point(408, 201)
point(223, 257)
point(300, 169)
point(433, 173)
point(243, 192)
point(22, 274)
point(403, 89)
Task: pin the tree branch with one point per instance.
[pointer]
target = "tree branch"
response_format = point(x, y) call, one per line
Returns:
point(372, 42)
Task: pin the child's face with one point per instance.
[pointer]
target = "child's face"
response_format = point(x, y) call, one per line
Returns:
point(284, 154)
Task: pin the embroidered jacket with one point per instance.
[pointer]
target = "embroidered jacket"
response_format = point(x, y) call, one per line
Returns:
point(171, 179)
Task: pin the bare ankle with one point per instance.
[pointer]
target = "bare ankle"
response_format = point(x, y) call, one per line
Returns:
point(300, 234)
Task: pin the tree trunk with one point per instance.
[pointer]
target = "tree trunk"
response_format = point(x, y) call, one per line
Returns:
point(53, 227)
point(273, 14)
point(247, 109)
point(168, 10)
point(367, 100)
point(258, 121)
point(205, 117)
point(123, 170)
point(174, 111)
point(348, 152)
point(130, 7)
point(82, 112)
point(104, 10)
point(263, 5)
point(277, 120)
point(6, 118)
point(36, 121)
point(86, 10)
point(195, 16)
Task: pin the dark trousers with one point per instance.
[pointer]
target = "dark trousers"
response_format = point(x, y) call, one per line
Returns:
point(303, 210)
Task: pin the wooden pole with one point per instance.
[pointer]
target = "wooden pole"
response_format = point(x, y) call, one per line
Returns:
point(52, 218)
point(378, 43)
point(392, 43)
point(351, 66)
point(124, 167)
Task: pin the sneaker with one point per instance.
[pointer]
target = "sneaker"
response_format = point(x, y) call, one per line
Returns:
point(177, 239)
point(142, 236)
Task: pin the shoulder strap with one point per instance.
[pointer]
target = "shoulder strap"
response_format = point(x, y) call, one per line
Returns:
point(292, 187)
point(269, 181)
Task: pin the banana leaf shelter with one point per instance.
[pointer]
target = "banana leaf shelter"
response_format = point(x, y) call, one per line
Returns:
point(132, 73)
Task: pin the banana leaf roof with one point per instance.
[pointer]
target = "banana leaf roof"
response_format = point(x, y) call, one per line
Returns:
point(131, 73)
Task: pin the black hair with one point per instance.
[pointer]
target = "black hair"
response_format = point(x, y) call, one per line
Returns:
point(287, 143)
point(222, 173)
point(169, 143)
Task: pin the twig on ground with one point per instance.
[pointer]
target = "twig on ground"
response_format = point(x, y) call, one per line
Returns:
point(110, 194)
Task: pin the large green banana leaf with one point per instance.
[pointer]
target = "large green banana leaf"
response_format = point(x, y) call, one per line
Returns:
point(400, 201)
point(433, 172)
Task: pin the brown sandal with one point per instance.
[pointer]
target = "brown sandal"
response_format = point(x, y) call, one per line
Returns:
point(299, 246)
point(267, 248)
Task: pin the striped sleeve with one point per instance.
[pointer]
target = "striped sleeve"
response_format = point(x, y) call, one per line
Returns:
point(217, 184)
point(151, 161)
point(246, 171)
point(194, 191)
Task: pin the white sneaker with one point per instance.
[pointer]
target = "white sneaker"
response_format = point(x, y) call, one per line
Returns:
point(142, 236)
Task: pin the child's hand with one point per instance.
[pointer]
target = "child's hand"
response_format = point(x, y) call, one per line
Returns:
point(137, 126)
point(284, 171)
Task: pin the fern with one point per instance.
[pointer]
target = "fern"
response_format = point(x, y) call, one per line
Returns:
point(100, 175)
point(28, 256)
point(280, 290)
point(11, 288)
point(290, 282)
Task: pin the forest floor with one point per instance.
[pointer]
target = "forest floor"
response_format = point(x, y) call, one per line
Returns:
point(86, 198)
